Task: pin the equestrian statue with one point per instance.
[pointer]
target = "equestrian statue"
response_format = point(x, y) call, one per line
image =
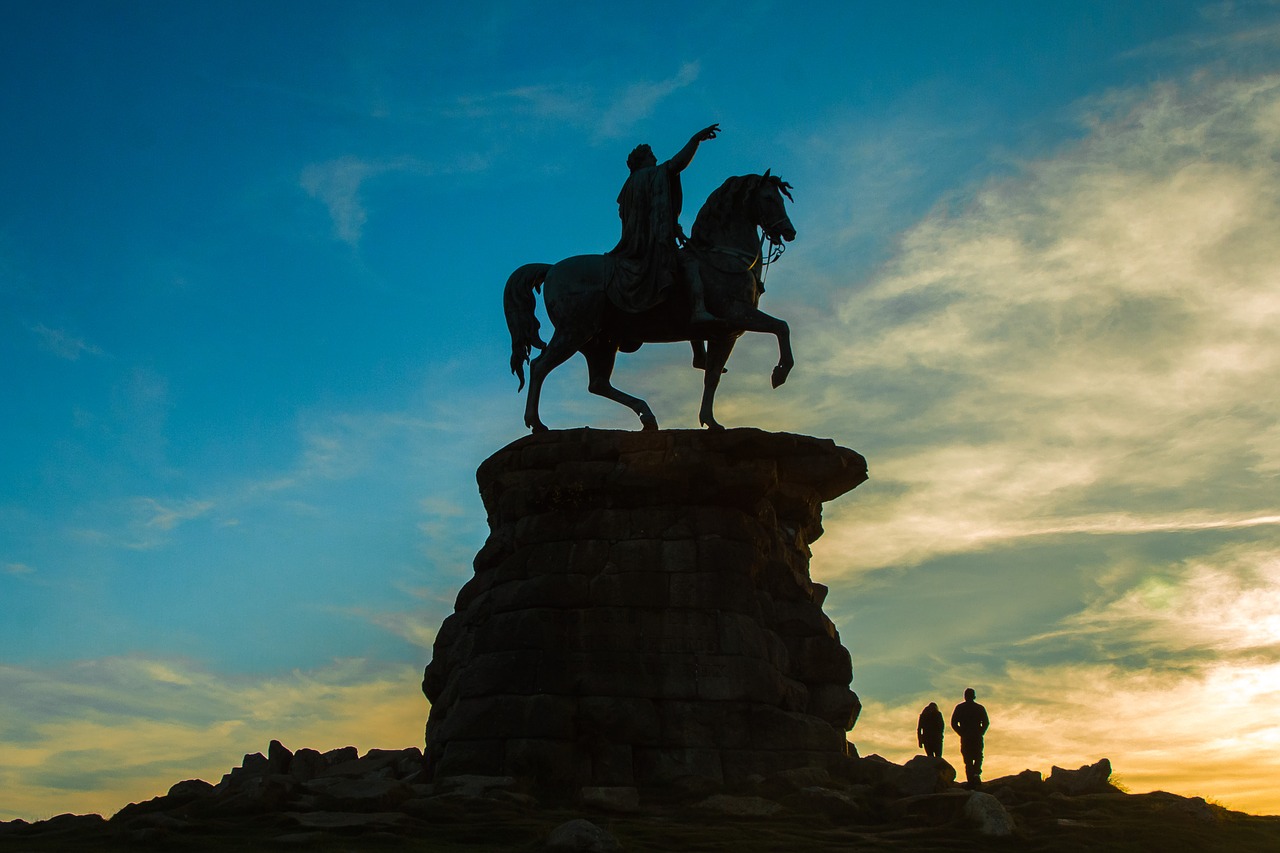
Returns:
point(656, 285)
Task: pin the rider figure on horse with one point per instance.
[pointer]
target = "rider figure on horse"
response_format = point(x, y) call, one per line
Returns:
point(647, 260)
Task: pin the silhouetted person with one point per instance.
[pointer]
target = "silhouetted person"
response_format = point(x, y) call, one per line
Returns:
point(969, 719)
point(929, 730)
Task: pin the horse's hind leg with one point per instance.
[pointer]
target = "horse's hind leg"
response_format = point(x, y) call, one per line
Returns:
point(601, 356)
point(557, 352)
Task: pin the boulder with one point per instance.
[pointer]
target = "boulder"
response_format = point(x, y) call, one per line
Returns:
point(1090, 779)
point(726, 804)
point(581, 836)
point(278, 758)
point(924, 775)
point(987, 814)
point(611, 799)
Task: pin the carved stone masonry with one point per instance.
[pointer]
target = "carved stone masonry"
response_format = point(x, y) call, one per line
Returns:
point(642, 611)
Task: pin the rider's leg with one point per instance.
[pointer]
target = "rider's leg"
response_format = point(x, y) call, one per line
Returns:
point(694, 277)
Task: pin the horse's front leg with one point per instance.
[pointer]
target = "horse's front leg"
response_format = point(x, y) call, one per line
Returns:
point(755, 320)
point(718, 350)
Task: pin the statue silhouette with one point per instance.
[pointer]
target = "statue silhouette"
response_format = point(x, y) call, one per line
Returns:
point(598, 310)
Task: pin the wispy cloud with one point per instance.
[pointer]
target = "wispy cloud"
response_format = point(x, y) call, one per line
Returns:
point(1089, 347)
point(638, 101)
point(64, 344)
point(553, 102)
point(131, 727)
point(17, 569)
point(168, 515)
point(339, 185)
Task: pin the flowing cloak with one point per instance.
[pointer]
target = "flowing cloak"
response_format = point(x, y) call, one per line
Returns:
point(645, 262)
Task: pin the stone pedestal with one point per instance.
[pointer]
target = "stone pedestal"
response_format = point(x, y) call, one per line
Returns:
point(642, 611)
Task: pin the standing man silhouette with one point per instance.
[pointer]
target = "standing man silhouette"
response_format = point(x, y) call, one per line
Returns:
point(970, 721)
point(929, 730)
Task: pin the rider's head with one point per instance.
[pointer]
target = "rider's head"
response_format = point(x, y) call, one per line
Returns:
point(969, 694)
point(640, 157)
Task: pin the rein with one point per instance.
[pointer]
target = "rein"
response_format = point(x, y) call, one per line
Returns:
point(775, 250)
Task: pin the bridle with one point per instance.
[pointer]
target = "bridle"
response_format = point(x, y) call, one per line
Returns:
point(776, 248)
point(761, 257)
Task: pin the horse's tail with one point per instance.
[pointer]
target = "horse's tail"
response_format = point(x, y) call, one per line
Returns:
point(517, 302)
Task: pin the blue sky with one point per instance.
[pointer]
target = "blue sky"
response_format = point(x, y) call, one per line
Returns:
point(252, 351)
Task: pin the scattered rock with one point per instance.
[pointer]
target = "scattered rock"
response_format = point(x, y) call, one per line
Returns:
point(727, 804)
point(581, 836)
point(473, 785)
point(190, 789)
point(350, 820)
point(1090, 779)
point(838, 805)
point(924, 775)
point(278, 758)
point(622, 800)
point(988, 815)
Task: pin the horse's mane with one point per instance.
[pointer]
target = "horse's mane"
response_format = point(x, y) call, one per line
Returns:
point(733, 194)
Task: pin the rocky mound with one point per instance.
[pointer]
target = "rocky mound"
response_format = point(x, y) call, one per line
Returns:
point(340, 801)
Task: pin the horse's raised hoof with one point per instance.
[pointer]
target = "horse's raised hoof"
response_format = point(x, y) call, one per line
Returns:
point(649, 424)
point(537, 428)
point(779, 375)
point(713, 426)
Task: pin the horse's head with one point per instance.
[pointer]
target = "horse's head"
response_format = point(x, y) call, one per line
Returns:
point(741, 205)
point(771, 210)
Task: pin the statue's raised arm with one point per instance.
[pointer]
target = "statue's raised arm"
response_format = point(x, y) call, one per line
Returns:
point(685, 155)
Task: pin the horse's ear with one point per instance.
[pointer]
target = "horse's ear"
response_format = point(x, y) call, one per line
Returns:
point(766, 172)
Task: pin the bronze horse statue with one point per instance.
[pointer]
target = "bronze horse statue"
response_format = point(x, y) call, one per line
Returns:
point(729, 253)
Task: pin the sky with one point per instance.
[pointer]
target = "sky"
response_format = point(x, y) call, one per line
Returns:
point(252, 352)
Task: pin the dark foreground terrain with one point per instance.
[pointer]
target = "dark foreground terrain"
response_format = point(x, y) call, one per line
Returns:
point(339, 801)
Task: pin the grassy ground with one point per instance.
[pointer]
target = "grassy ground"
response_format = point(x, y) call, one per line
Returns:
point(1106, 824)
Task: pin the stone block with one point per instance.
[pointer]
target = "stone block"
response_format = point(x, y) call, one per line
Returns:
point(775, 729)
point(722, 555)
point(611, 798)
point(612, 764)
point(510, 716)
point(544, 558)
point(714, 590)
point(627, 720)
point(663, 765)
point(818, 660)
point(708, 725)
point(535, 628)
point(834, 703)
point(499, 672)
point(554, 762)
point(740, 634)
point(479, 756)
point(629, 589)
